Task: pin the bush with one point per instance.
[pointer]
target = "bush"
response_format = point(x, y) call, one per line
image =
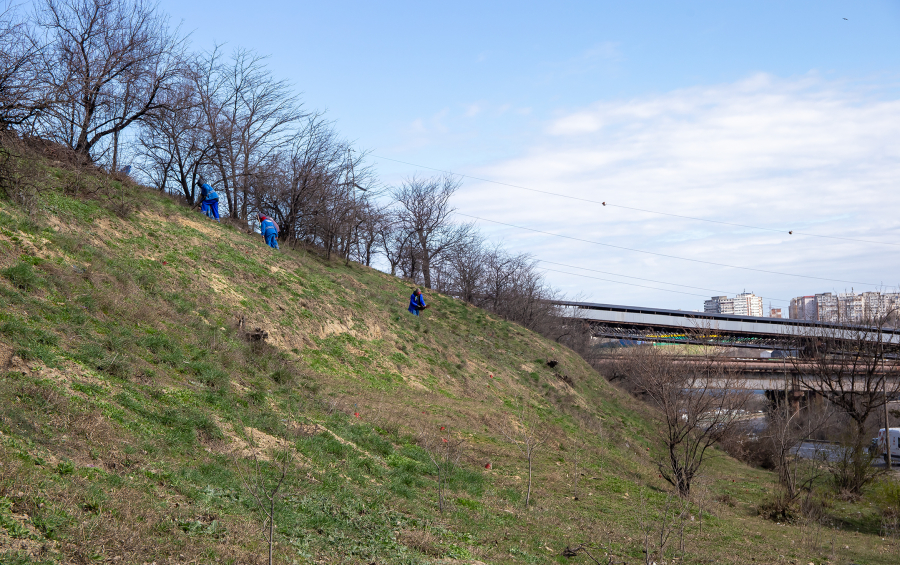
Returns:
point(777, 506)
point(23, 276)
point(755, 451)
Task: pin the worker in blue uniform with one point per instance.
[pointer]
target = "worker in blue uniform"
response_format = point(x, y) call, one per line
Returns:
point(269, 230)
point(209, 200)
point(417, 302)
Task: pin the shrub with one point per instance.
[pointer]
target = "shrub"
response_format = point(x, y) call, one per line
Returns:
point(758, 452)
point(282, 376)
point(115, 365)
point(23, 276)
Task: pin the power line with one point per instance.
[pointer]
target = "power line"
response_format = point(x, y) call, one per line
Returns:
point(663, 254)
point(647, 280)
point(781, 231)
point(623, 282)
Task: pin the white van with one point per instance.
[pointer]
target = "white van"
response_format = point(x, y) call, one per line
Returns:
point(894, 435)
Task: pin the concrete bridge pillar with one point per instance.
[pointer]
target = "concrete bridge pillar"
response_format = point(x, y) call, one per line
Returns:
point(794, 398)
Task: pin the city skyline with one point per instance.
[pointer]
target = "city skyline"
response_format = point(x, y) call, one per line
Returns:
point(824, 306)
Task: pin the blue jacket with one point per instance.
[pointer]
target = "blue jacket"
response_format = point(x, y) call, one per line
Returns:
point(207, 193)
point(268, 227)
point(416, 303)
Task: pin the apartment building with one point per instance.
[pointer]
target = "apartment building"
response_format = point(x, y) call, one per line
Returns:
point(719, 305)
point(803, 308)
point(744, 304)
point(748, 304)
point(844, 307)
point(827, 308)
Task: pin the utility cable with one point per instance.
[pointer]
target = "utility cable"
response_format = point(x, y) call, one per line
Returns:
point(647, 280)
point(623, 282)
point(781, 231)
point(663, 254)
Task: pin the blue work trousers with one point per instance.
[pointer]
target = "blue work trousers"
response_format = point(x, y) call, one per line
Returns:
point(211, 207)
point(272, 239)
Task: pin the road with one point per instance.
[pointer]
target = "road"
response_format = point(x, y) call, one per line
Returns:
point(832, 452)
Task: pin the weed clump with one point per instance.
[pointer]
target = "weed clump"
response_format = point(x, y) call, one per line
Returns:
point(23, 276)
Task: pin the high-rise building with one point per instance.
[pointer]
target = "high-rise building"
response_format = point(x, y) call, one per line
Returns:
point(852, 307)
point(845, 307)
point(744, 304)
point(719, 305)
point(803, 308)
point(748, 304)
point(828, 308)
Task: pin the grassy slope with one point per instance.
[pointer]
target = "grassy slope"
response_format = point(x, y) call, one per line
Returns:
point(128, 397)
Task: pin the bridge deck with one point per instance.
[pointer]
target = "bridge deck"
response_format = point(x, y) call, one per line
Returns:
point(679, 326)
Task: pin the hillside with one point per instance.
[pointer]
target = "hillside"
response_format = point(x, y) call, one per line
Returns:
point(132, 404)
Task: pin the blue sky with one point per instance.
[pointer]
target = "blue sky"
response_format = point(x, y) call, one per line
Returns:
point(772, 114)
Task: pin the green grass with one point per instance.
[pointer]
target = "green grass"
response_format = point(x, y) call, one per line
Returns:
point(132, 382)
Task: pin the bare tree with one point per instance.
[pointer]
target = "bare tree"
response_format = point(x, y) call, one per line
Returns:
point(700, 402)
point(507, 284)
point(444, 449)
point(853, 368)
point(527, 433)
point(394, 242)
point(20, 99)
point(465, 267)
point(786, 430)
point(175, 143)
point(342, 203)
point(424, 210)
point(265, 487)
point(515, 290)
point(250, 117)
point(312, 165)
point(106, 66)
point(374, 221)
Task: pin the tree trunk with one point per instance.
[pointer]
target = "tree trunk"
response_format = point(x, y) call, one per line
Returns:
point(528, 493)
point(426, 259)
point(271, 530)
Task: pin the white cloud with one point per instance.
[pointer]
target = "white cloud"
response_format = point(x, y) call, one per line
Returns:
point(802, 154)
point(473, 110)
point(417, 126)
point(608, 50)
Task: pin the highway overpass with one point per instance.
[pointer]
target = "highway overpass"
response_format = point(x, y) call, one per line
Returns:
point(638, 323)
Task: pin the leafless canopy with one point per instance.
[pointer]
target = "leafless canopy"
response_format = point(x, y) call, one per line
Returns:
point(854, 368)
point(424, 212)
point(699, 401)
point(20, 99)
point(175, 144)
point(850, 366)
point(250, 118)
point(105, 65)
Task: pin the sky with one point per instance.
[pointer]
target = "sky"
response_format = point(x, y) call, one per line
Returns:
point(777, 116)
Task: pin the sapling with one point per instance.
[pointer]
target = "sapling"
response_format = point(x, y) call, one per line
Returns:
point(527, 434)
point(658, 531)
point(266, 489)
point(444, 449)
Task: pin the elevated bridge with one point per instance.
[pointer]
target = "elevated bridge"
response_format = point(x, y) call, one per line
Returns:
point(769, 374)
point(638, 323)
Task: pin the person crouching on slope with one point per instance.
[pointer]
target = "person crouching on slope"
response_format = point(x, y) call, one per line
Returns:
point(417, 302)
point(269, 230)
point(209, 200)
